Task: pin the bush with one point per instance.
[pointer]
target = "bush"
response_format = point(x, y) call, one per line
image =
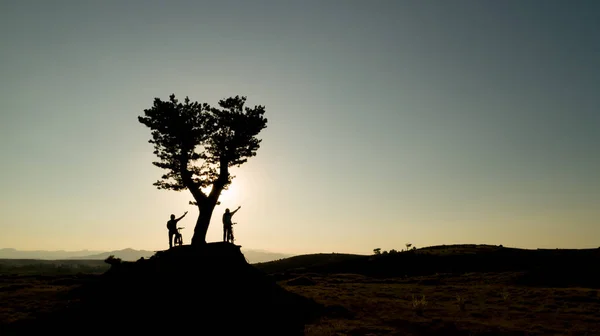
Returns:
point(419, 305)
point(111, 260)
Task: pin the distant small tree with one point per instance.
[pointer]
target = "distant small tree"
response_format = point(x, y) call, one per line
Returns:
point(392, 251)
point(377, 251)
point(221, 137)
point(111, 260)
point(408, 245)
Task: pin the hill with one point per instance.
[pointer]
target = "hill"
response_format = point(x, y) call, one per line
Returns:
point(220, 294)
point(258, 256)
point(438, 290)
point(11, 253)
point(128, 254)
point(125, 254)
point(306, 261)
point(547, 267)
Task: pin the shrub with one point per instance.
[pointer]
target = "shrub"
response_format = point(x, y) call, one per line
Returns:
point(419, 305)
point(460, 302)
point(111, 260)
point(505, 295)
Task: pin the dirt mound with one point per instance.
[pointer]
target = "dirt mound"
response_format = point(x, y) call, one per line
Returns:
point(205, 290)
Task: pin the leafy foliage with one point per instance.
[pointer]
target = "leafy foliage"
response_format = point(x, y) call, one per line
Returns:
point(183, 133)
point(111, 260)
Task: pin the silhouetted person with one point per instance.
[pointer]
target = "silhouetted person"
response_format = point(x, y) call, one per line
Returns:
point(227, 225)
point(172, 226)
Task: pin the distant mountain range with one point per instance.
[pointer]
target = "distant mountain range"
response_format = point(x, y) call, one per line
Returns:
point(253, 256)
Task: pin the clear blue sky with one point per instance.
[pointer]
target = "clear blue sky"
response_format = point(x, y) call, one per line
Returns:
point(430, 122)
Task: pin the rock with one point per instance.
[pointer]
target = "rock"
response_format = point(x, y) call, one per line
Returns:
point(301, 281)
point(206, 290)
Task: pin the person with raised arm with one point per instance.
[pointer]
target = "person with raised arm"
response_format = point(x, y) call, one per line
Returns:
point(172, 227)
point(227, 224)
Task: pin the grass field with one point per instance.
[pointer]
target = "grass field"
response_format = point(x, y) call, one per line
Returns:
point(471, 304)
point(51, 267)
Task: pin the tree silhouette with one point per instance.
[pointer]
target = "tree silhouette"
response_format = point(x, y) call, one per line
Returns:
point(220, 137)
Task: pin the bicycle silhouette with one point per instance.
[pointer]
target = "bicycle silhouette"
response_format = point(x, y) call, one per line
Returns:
point(229, 235)
point(179, 237)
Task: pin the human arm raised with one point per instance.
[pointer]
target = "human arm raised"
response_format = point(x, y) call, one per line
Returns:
point(185, 213)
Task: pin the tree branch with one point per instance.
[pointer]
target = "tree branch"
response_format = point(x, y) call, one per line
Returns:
point(188, 181)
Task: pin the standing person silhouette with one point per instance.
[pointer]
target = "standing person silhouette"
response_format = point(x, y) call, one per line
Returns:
point(227, 225)
point(172, 226)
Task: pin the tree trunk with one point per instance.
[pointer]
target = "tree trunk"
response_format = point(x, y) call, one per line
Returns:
point(206, 210)
point(207, 204)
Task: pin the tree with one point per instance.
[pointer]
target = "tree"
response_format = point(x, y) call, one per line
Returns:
point(220, 137)
point(377, 251)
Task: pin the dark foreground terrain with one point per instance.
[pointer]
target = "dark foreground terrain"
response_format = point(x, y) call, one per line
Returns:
point(547, 292)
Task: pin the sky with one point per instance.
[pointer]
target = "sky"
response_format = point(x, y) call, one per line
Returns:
point(389, 122)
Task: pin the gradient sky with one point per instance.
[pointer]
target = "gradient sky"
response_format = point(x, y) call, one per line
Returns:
point(429, 122)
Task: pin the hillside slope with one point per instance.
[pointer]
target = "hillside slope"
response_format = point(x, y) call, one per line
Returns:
point(305, 261)
point(558, 267)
